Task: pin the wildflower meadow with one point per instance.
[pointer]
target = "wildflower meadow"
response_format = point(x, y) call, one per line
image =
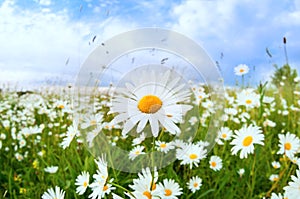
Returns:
point(44, 153)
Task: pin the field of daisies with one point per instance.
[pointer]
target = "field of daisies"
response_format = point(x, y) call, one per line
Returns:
point(48, 151)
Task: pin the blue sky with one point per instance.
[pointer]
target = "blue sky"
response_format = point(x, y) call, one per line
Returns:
point(37, 37)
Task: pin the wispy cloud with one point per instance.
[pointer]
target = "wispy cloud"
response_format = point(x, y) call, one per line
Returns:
point(44, 35)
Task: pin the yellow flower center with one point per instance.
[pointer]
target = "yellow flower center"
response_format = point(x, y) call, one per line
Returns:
point(193, 156)
point(248, 101)
point(224, 135)
point(168, 192)
point(105, 188)
point(247, 141)
point(153, 187)
point(149, 104)
point(61, 106)
point(137, 152)
point(242, 70)
point(163, 145)
point(195, 184)
point(287, 146)
point(213, 164)
point(93, 122)
point(85, 184)
point(147, 194)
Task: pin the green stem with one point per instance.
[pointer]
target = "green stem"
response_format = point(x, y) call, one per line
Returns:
point(253, 176)
point(123, 188)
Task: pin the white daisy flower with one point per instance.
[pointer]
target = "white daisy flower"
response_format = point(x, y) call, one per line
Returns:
point(179, 143)
point(191, 154)
point(51, 169)
point(108, 188)
point(241, 172)
point(202, 143)
point(295, 160)
point(102, 167)
point(155, 98)
point(115, 196)
point(274, 177)
point(136, 151)
point(241, 69)
point(231, 111)
point(92, 120)
point(164, 146)
point(288, 144)
point(193, 120)
point(99, 187)
point(145, 185)
point(215, 163)
point(168, 190)
point(248, 98)
point(54, 194)
point(269, 123)
point(244, 140)
point(82, 182)
point(275, 164)
point(268, 100)
point(279, 196)
point(72, 131)
point(225, 133)
point(92, 134)
point(292, 191)
point(194, 184)
point(139, 140)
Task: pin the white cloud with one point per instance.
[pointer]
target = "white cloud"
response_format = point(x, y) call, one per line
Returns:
point(240, 29)
point(204, 18)
point(39, 42)
point(289, 17)
point(45, 2)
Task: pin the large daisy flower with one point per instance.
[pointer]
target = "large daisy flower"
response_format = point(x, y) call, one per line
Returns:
point(244, 140)
point(288, 144)
point(154, 98)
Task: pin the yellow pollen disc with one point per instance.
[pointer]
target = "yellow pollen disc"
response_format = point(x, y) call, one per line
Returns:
point(137, 152)
point(247, 141)
point(242, 70)
point(153, 187)
point(93, 122)
point(213, 164)
point(105, 188)
point(61, 106)
point(163, 145)
point(147, 194)
point(224, 135)
point(85, 184)
point(193, 156)
point(149, 104)
point(195, 184)
point(287, 146)
point(248, 101)
point(168, 192)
